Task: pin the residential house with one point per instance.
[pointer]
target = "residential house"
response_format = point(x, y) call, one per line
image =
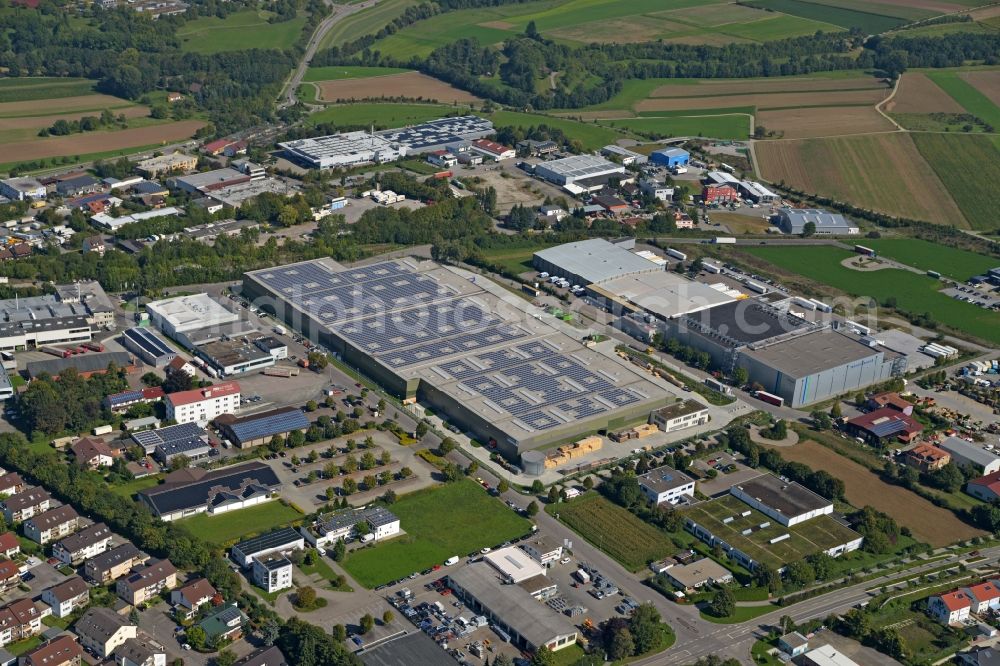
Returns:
point(10, 574)
point(271, 572)
point(52, 524)
point(883, 426)
point(19, 620)
point(25, 504)
point(224, 623)
point(180, 364)
point(85, 544)
point(101, 630)
point(268, 656)
point(173, 97)
point(140, 652)
point(188, 598)
point(978, 656)
point(329, 529)
point(698, 574)
point(67, 596)
point(113, 564)
point(60, 651)
point(94, 244)
point(11, 484)
point(148, 582)
point(793, 644)
point(892, 400)
point(926, 457)
point(92, 453)
point(203, 404)
point(719, 194)
point(9, 544)
point(985, 596)
point(950, 607)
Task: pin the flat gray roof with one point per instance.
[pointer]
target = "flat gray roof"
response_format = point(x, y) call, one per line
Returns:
point(664, 478)
point(811, 353)
point(663, 293)
point(530, 618)
point(972, 452)
point(596, 260)
point(788, 497)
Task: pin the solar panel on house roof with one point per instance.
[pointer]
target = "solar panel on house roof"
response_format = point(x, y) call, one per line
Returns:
point(269, 425)
point(887, 427)
point(174, 433)
point(124, 397)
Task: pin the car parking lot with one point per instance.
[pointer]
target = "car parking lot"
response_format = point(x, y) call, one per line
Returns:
point(984, 297)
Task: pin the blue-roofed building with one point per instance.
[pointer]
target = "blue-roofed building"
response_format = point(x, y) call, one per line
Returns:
point(670, 157)
point(257, 429)
point(148, 346)
point(120, 402)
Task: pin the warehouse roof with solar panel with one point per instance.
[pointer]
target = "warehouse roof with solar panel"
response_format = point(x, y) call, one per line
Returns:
point(434, 333)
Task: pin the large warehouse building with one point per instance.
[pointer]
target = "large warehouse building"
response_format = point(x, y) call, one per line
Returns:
point(580, 173)
point(186, 314)
point(466, 349)
point(350, 148)
point(70, 315)
point(593, 261)
point(794, 221)
point(801, 361)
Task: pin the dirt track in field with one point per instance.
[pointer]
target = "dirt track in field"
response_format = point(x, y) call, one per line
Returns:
point(825, 121)
point(895, 179)
point(63, 105)
point(929, 523)
point(411, 85)
point(709, 87)
point(38, 122)
point(918, 94)
point(97, 142)
point(774, 101)
point(987, 83)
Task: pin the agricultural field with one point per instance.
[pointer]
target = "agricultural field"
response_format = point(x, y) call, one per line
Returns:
point(913, 293)
point(238, 32)
point(591, 136)
point(75, 104)
point(585, 21)
point(927, 256)
point(454, 519)
point(830, 121)
point(872, 17)
point(848, 169)
point(366, 21)
point(24, 89)
point(929, 523)
point(734, 126)
point(968, 95)
point(986, 82)
point(410, 85)
point(341, 72)
point(383, 116)
point(917, 93)
point(969, 167)
point(614, 530)
point(226, 528)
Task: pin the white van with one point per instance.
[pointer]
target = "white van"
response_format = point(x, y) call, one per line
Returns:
point(451, 560)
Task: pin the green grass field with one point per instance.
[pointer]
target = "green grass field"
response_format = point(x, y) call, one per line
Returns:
point(592, 136)
point(365, 21)
point(868, 19)
point(228, 527)
point(957, 264)
point(614, 530)
point(735, 126)
point(383, 115)
point(26, 89)
point(340, 72)
point(966, 94)
point(132, 487)
point(240, 31)
point(969, 167)
point(438, 522)
point(913, 293)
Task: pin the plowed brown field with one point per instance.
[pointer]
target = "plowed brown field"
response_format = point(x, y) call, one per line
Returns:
point(883, 172)
point(918, 94)
point(930, 524)
point(766, 86)
point(411, 85)
point(824, 121)
point(987, 83)
point(97, 142)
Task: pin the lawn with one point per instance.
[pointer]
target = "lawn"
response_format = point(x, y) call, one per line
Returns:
point(27, 89)
point(966, 94)
point(339, 72)
point(913, 293)
point(248, 29)
point(870, 22)
point(325, 571)
point(439, 522)
point(927, 256)
point(591, 135)
point(720, 126)
point(130, 488)
point(383, 116)
point(614, 530)
point(516, 260)
point(19, 648)
point(952, 158)
point(366, 21)
point(741, 614)
point(229, 527)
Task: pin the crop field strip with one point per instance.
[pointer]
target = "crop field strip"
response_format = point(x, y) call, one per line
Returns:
point(342, 72)
point(827, 121)
point(967, 95)
point(986, 82)
point(913, 293)
point(239, 31)
point(47, 107)
point(409, 85)
point(884, 172)
point(969, 167)
point(917, 93)
point(25, 89)
point(99, 142)
point(870, 19)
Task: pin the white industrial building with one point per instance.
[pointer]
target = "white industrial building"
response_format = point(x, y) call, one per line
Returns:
point(665, 484)
point(624, 155)
point(347, 149)
point(787, 502)
point(580, 173)
point(794, 221)
point(19, 189)
point(180, 314)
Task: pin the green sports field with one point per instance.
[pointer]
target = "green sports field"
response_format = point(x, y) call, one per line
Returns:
point(927, 256)
point(439, 522)
point(339, 72)
point(240, 31)
point(913, 293)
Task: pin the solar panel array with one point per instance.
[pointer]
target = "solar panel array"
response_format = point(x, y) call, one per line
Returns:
point(405, 318)
point(150, 439)
point(270, 425)
point(124, 397)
